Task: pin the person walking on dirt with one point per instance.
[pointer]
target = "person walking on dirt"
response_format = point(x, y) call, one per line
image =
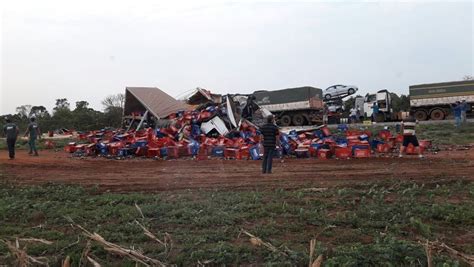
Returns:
point(409, 135)
point(11, 131)
point(34, 132)
point(270, 132)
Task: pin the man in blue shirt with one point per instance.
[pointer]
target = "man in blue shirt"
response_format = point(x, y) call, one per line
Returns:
point(375, 111)
point(457, 108)
point(10, 130)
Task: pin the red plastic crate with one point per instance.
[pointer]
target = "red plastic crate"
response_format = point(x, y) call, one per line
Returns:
point(244, 152)
point(173, 152)
point(399, 138)
point(141, 151)
point(392, 141)
point(326, 131)
point(410, 150)
point(232, 153)
point(385, 135)
point(302, 153)
point(324, 153)
point(383, 148)
point(183, 151)
point(343, 152)
point(152, 152)
point(361, 153)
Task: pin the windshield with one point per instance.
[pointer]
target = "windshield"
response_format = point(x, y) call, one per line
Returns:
point(370, 98)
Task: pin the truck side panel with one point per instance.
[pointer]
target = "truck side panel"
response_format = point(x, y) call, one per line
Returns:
point(298, 105)
point(442, 90)
point(436, 101)
point(287, 95)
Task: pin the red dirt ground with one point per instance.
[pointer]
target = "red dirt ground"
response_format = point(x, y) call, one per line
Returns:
point(159, 175)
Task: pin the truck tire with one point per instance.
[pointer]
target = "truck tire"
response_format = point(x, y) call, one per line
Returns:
point(285, 120)
point(298, 120)
point(437, 114)
point(421, 115)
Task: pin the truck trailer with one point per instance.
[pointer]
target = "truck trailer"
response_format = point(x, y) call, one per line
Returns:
point(434, 100)
point(293, 106)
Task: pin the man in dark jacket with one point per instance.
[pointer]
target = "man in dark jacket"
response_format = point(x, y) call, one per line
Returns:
point(11, 131)
point(270, 133)
point(34, 132)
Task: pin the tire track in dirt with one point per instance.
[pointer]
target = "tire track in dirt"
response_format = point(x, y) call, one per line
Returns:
point(152, 175)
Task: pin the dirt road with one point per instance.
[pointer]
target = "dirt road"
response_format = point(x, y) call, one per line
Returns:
point(158, 175)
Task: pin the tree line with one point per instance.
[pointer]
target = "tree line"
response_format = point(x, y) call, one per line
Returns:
point(63, 116)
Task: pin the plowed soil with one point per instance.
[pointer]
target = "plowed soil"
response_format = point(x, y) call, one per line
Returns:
point(159, 175)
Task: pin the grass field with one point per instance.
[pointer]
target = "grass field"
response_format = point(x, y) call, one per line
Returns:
point(366, 224)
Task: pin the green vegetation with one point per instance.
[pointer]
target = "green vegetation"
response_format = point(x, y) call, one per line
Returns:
point(23, 143)
point(366, 224)
point(447, 134)
point(81, 118)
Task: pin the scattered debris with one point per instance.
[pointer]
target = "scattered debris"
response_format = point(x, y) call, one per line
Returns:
point(22, 258)
point(429, 246)
point(256, 241)
point(119, 250)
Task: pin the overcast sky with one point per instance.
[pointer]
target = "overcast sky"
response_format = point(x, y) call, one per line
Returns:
point(86, 50)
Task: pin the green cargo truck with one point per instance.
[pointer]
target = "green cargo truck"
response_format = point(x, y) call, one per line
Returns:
point(434, 100)
point(293, 106)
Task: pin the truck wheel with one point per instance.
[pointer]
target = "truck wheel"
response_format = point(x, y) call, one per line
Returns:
point(298, 120)
point(421, 115)
point(437, 114)
point(351, 91)
point(285, 120)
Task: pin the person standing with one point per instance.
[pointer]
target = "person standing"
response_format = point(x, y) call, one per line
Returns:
point(353, 115)
point(463, 111)
point(359, 115)
point(375, 112)
point(34, 132)
point(409, 136)
point(457, 108)
point(11, 131)
point(270, 132)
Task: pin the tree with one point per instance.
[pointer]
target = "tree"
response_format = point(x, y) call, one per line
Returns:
point(113, 109)
point(115, 101)
point(81, 105)
point(400, 103)
point(61, 104)
point(24, 111)
point(468, 78)
point(39, 112)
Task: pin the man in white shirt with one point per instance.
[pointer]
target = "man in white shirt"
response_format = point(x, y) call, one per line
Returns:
point(409, 135)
